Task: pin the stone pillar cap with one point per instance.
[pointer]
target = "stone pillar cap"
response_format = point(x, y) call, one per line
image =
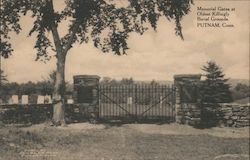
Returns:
point(86, 76)
point(180, 76)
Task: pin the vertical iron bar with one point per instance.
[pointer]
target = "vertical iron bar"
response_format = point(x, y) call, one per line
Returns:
point(138, 97)
point(161, 97)
point(151, 99)
point(112, 104)
point(114, 99)
point(168, 91)
point(164, 104)
point(99, 104)
point(173, 103)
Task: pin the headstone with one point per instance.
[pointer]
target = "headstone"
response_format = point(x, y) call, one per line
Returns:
point(25, 99)
point(14, 99)
point(161, 100)
point(40, 99)
point(130, 100)
point(10, 101)
point(70, 101)
point(47, 99)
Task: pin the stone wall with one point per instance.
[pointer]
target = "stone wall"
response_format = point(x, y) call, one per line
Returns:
point(234, 115)
point(210, 115)
point(39, 113)
point(82, 112)
point(187, 109)
point(27, 113)
point(189, 113)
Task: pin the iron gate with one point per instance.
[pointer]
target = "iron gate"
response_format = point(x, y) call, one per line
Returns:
point(137, 102)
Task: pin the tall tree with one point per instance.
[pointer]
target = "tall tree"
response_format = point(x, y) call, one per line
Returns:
point(103, 21)
point(215, 88)
point(3, 77)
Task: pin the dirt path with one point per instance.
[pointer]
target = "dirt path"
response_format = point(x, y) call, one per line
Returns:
point(165, 129)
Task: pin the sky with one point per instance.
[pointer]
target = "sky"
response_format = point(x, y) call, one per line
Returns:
point(155, 55)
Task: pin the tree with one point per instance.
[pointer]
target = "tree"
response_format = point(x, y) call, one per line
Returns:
point(105, 23)
point(52, 77)
point(240, 91)
point(154, 82)
point(3, 77)
point(105, 80)
point(214, 89)
point(3, 80)
point(127, 81)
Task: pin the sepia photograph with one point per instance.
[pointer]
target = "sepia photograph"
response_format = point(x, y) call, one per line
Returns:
point(124, 79)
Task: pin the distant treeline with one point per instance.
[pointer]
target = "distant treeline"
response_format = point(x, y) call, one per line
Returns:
point(46, 87)
point(125, 81)
point(240, 91)
point(42, 88)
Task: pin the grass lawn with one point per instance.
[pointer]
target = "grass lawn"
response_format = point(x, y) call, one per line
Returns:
point(84, 141)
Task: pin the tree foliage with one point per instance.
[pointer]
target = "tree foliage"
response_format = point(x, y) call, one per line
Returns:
point(215, 88)
point(29, 88)
point(105, 23)
point(240, 91)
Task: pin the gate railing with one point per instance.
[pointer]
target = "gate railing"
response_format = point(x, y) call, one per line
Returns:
point(137, 101)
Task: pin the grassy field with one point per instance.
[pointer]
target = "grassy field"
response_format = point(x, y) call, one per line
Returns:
point(84, 141)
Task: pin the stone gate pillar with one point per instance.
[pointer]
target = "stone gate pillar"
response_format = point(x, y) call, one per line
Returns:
point(187, 106)
point(85, 94)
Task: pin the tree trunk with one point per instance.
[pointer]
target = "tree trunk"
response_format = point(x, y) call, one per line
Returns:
point(59, 88)
point(59, 92)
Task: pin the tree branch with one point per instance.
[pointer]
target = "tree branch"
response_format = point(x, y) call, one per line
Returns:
point(56, 37)
point(71, 37)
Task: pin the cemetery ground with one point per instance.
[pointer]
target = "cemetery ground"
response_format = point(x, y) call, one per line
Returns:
point(85, 141)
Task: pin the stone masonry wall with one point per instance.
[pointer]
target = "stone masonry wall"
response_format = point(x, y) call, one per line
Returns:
point(234, 115)
point(189, 113)
point(187, 109)
point(39, 113)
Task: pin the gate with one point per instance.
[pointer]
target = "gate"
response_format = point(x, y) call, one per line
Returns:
point(137, 102)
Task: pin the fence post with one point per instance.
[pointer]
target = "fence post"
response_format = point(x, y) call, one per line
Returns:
point(186, 104)
point(177, 104)
point(86, 88)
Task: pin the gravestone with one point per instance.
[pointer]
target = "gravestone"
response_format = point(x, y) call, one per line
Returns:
point(130, 101)
point(14, 99)
point(25, 99)
point(40, 99)
point(161, 100)
point(70, 101)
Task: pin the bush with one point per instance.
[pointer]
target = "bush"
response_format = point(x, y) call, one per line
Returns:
point(210, 115)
